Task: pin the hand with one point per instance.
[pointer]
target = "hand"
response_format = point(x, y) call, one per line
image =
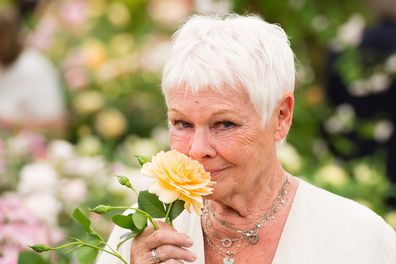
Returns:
point(169, 244)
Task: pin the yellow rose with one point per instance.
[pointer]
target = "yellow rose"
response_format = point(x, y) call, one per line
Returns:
point(178, 177)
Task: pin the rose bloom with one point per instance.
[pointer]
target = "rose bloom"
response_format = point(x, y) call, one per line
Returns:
point(178, 177)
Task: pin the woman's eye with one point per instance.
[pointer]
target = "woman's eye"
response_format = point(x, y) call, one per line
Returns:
point(181, 124)
point(225, 125)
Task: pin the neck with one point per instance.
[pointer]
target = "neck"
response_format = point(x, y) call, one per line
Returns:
point(246, 207)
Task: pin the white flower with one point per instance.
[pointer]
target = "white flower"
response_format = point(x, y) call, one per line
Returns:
point(350, 33)
point(59, 151)
point(85, 167)
point(383, 130)
point(44, 206)
point(379, 82)
point(366, 175)
point(73, 191)
point(37, 177)
point(390, 64)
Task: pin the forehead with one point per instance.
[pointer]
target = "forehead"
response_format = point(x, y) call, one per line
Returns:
point(208, 97)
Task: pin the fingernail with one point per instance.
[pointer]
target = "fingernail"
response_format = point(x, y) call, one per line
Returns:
point(194, 256)
point(190, 242)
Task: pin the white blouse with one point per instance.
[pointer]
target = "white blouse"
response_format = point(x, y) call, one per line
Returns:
point(321, 228)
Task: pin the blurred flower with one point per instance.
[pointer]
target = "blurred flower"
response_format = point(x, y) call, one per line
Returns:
point(342, 120)
point(314, 95)
point(320, 23)
point(60, 151)
point(87, 102)
point(97, 7)
point(75, 71)
point(169, 12)
point(390, 64)
point(143, 146)
point(85, 167)
point(26, 143)
point(297, 4)
point(110, 123)
point(73, 192)
point(212, 6)
point(155, 54)
point(45, 206)
point(391, 218)
point(42, 37)
point(118, 14)
point(290, 158)
point(122, 44)
point(20, 228)
point(178, 177)
point(350, 33)
point(383, 130)
point(366, 175)
point(37, 177)
point(94, 53)
point(379, 82)
point(89, 145)
point(74, 13)
point(332, 175)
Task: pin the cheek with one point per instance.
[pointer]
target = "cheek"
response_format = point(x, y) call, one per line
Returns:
point(178, 141)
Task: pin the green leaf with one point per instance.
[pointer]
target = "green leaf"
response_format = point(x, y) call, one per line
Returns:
point(86, 254)
point(125, 238)
point(150, 203)
point(140, 220)
point(30, 258)
point(82, 219)
point(142, 159)
point(176, 210)
point(85, 223)
point(125, 221)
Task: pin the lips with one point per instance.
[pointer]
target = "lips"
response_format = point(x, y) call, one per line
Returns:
point(215, 172)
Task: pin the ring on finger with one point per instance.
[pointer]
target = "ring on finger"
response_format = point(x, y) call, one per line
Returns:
point(156, 258)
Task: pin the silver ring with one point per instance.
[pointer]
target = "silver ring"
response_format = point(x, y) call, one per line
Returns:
point(156, 258)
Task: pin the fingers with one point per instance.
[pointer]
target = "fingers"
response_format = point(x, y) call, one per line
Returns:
point(170, 246)
point(168, 237)
point(168, 252)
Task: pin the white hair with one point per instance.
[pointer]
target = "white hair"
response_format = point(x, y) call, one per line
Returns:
point(241, 52)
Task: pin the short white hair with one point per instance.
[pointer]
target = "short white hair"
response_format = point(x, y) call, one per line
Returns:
point(241, 52)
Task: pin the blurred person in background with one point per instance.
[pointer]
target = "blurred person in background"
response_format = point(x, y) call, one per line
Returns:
point(362, 78)
point(30, 91)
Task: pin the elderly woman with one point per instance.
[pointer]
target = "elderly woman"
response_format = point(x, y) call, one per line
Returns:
point(229, 92)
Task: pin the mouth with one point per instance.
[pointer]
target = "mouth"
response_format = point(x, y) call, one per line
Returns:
point(216, 172)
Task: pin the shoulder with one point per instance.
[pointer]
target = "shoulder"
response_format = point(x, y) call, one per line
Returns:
point(325, 204)
point(340, 219)
point(33, 62)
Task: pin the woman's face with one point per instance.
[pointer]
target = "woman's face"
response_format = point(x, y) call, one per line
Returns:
point(224, 133)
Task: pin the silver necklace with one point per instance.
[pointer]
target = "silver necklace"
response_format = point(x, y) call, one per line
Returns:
point(247, 237)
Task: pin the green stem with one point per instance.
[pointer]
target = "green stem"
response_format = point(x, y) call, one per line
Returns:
point(167, 219)
point(149, 217)
point(65, 245)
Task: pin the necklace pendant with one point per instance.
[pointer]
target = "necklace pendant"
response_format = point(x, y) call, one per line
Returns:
point(226, 242)
point(228, 260)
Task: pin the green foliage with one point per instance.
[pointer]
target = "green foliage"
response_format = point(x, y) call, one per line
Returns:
point(176, 210)
point(30, 258)
point(150, 203)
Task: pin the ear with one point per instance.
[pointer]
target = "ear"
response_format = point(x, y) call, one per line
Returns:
point(284, 115)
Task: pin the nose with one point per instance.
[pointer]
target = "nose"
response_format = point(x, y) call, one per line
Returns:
point(201, 147)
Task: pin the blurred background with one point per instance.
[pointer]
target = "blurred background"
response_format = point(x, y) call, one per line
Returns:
point(80, 96)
